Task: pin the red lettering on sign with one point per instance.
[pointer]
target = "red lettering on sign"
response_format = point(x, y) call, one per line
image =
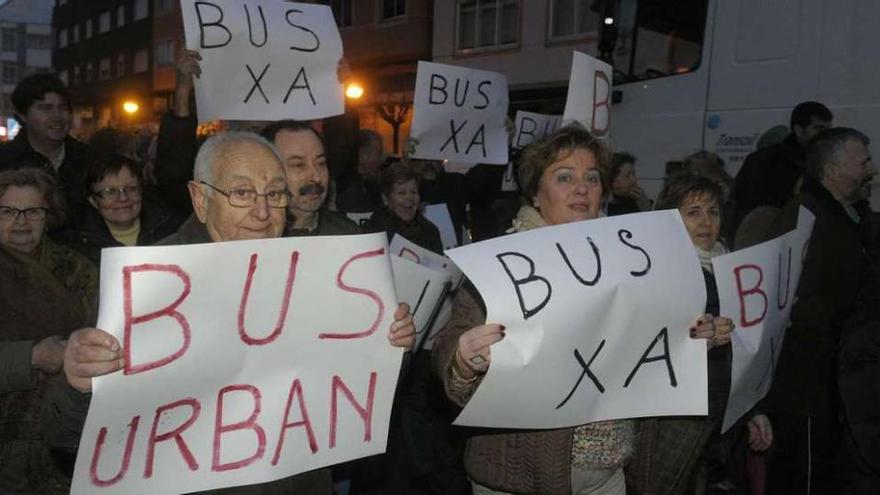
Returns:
point(126, 455)
point(295, 391)
point(368, 293)
point(737, 272)
point(365, 412)
point(176, 434)
point(285, 302)
point(248, 424)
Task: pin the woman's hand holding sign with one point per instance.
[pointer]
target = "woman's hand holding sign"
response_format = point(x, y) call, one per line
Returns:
point(472, 357)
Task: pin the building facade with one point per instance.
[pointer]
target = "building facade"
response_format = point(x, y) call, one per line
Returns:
point(103, 50)
point(25, 48)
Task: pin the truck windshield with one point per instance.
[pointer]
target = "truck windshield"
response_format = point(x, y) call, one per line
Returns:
point(657, 38)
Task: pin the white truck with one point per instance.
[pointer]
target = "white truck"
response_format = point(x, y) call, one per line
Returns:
point(716, 74)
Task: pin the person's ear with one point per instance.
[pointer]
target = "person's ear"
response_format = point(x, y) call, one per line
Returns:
point(199, 201)
point(93, 201)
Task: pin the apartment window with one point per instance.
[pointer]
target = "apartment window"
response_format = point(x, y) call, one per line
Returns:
point(88, 29)
point(9, 40)
point(572, 18)
point(62, 38)
point(39, 41)
point(487, 23)
point(10, 73)
point(164, 53)
point(393, 8)
point(74, 34)
point(76, 75)
point(341, 11)
point(104, 22)
point(120, 65)
point(141, 9)
point(90, 72)
point(120, 16)
point(104, 69)
point(162, 6)
point(63, 77)
point(141, 61)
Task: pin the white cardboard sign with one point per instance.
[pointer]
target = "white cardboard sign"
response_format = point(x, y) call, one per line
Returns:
point(245, 362)
point(264, 59)
point(756, 288)
point(423, 290)
point(439, 215)
point(589, 94)
point(597, 316)
point(531, 126)
point(460, 114)
point(403, 247)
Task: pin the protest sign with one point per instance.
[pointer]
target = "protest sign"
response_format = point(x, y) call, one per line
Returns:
point(401, 246)
point(439, 215)
point(531, 126)
point(756, 288)
point(508, 180)
point(589, 94)
point(596, 316)
point(264, 59)
point(245, 362)
point(423, 289)
point(459, 114)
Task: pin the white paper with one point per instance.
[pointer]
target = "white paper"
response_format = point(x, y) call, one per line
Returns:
point(460, 114)
point(532, 380)
point(264, 59)
point(770, 270)
point(359, 218)
point(531, 126)
point(589, 94)
point(341, 304)
point(508, 181)
point(439, 215)
point(423, 289)
point(401, 246)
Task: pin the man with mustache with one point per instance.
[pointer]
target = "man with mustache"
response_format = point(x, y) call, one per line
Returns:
point(803, 403)
point(308, 178)
point(42, 107)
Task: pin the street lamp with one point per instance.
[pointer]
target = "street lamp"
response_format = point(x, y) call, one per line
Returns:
point(354, 91)
point(130, 107)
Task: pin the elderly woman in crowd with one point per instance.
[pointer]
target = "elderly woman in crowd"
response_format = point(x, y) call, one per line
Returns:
point(121, 214)
point(563, 178)
point(675, 454)
point(626, 194)
point(402, 211)
point(46, 291)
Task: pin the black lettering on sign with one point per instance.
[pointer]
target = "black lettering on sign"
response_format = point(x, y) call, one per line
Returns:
point(463, 95)
point(440, 89)
point(531, 277)
point(217, 23)
point(419, 302)
point(481, 134)
point(317, 43)
point(575, 273)
point(304, 85)
point(641, 273)
point(663, 335)
point(256, 85)
point(523, 131)
point(453, 136)
point(247, 14)
point(484, 95)
point(779, 302)
point(586, 372)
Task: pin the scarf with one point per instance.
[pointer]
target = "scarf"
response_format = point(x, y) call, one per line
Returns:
point(706, 256)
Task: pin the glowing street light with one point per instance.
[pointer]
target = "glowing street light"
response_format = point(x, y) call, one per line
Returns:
point(354, 91)
point(130, 107)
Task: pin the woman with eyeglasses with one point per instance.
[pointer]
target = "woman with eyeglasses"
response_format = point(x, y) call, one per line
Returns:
point(122, 213)
point(46, 291)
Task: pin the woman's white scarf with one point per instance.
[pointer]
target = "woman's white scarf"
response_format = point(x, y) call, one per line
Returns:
point(706, 256)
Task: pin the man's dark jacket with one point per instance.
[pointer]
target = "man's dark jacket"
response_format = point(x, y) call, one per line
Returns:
point(831, 280)
point(71, 175)
point(768, 177)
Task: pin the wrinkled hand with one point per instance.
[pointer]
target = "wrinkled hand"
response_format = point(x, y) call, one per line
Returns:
point(185, 67)
point(48, 354)
point(760, 433)
point(403, 329)
point(343, 70)
point(90, 352)
point(473, 355)
point(715, 329)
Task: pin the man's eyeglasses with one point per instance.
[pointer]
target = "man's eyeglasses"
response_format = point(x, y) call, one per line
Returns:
point(11, 213)
point(245, 198)
point(114, 193)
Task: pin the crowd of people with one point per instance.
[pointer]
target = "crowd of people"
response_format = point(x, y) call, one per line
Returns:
point(816, 432)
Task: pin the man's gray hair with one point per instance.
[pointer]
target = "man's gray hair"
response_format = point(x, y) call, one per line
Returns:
point(214, 147)
point(828, 148)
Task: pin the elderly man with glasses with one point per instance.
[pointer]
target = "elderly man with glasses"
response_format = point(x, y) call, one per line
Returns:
point(238, 191)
